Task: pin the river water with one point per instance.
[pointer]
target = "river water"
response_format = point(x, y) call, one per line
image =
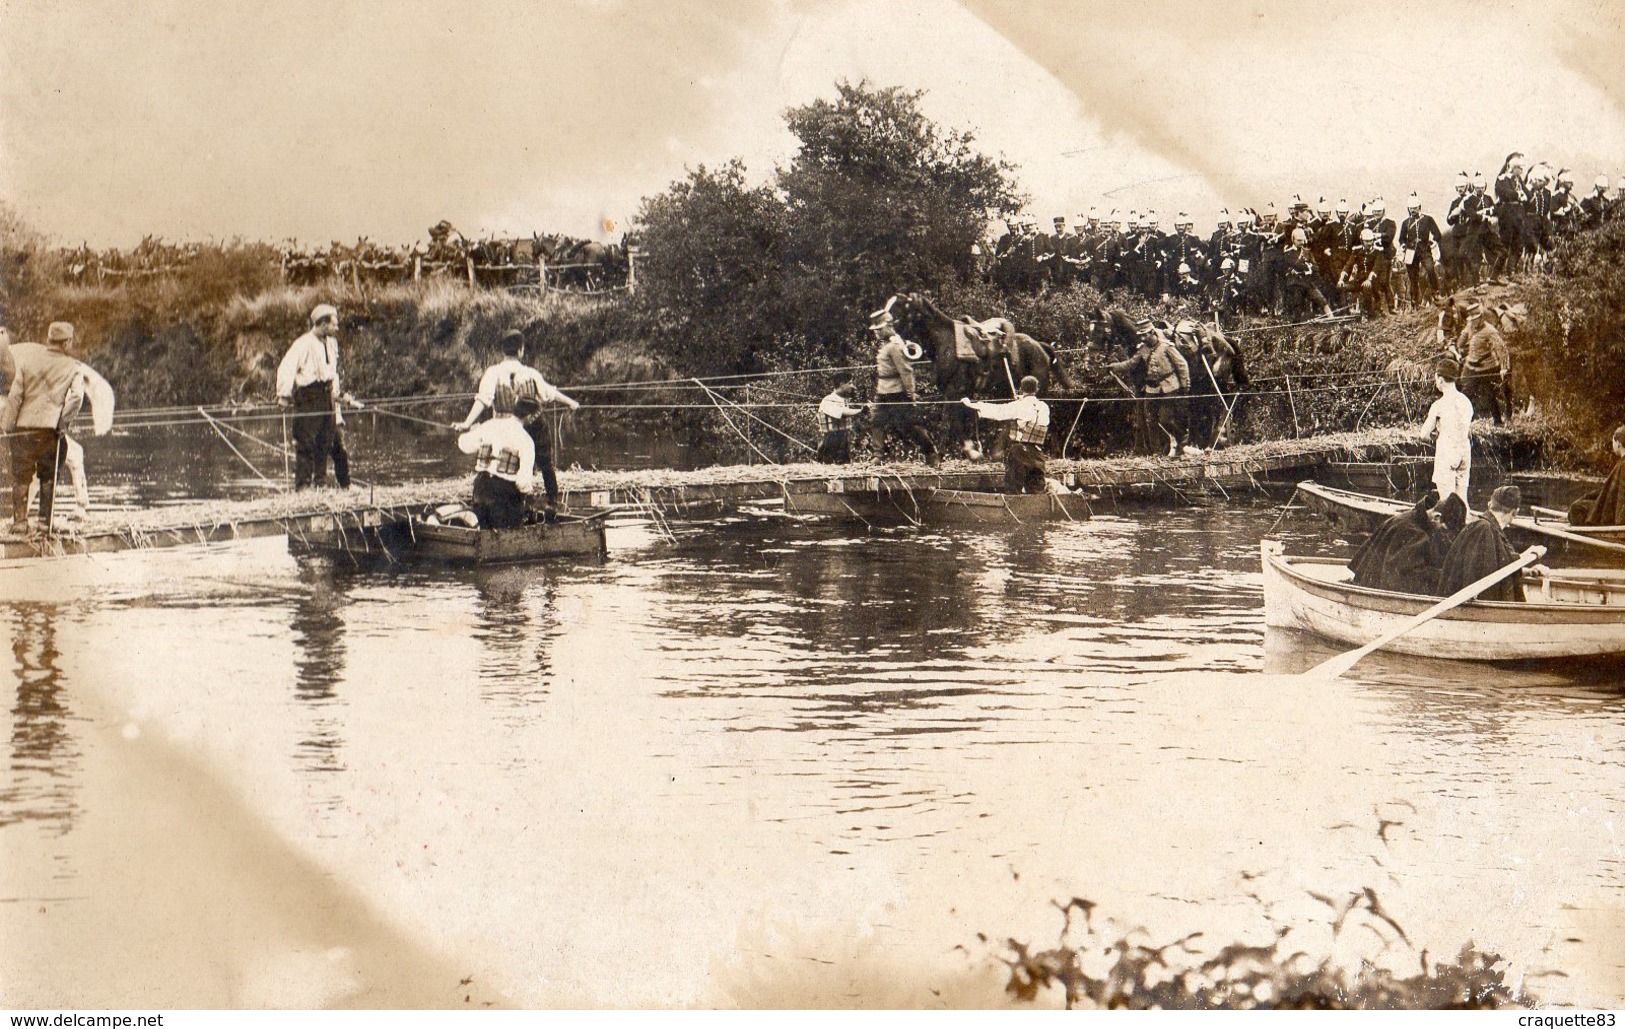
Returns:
point(759, 761)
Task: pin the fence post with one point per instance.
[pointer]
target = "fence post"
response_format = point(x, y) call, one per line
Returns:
point(469, 261)
point(541, 274)
point(631, 270)
point(417, 267)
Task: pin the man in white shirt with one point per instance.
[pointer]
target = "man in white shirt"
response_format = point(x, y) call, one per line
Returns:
point(1024, 453)
point(502, 385)
point(1450, 417)
point(504, 465)
point(307, 380)
point(835, 414)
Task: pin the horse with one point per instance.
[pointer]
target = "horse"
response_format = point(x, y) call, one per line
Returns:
point(997, 346)
point(1218, 374)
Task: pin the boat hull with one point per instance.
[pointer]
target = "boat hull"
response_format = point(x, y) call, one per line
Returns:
point(942, 506)
point(1360, 512)
point(1578, 614)
point(416, 540)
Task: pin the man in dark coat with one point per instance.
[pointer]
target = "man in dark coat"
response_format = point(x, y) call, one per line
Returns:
point(1482, 548)
point(1406, 552)
point(1420, 248)
point(1607, 505)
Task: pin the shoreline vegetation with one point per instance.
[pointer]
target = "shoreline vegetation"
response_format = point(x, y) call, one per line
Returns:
point(776, 279)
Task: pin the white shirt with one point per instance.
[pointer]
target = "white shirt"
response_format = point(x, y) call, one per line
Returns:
point(510, 371)
point(1025, 408)
point(836, 410)
point(499, 443)
point(310, 359)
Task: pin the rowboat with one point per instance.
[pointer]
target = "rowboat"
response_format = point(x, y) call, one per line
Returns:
point(1361, 512)
point(1572, 613)
point(941, 506)
point(417, 539)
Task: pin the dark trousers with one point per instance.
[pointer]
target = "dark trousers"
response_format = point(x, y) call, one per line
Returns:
point(316, 437)
point(896, 415)
point(33, 452)
point(1168, 411)
point(1423, 265)
point(1484, 390)
point(1023, 468)
point(498, 504)
point(836, 447)
point(543, 439)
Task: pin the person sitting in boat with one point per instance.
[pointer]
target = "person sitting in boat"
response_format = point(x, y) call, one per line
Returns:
point(1407, 551)
point(1451, 417)
point(1482, 548)
point(1024, 453)
point(835, 414)
point(505, 382)
point(504, 465)
point(1607, 505)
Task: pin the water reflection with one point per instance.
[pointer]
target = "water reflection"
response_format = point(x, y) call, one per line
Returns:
point(516, 621)
point(45, 753)
point(317, 625)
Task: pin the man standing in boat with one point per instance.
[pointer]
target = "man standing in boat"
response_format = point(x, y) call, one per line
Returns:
point(504, 464)
point(501, 388)
point(1482, 548)
point(895, 410)
point(1023, 453)
point(46, 392)
point(1451, 417)
point(307, 380)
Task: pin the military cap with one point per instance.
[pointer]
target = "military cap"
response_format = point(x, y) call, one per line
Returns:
point(59, 332)
point(322, 312)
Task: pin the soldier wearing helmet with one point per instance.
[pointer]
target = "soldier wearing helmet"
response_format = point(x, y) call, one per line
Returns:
point(1420, 245)
point(1301, 295)
point(1595, 207)
point(1511, 199)
point(1184, 260)
point(1565, 205)
point(1366, 274)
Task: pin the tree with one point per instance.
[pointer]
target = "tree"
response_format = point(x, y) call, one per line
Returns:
point(880, 199)
point(710, 273)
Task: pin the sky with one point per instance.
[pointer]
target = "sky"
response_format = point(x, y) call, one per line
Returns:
point(333, 119)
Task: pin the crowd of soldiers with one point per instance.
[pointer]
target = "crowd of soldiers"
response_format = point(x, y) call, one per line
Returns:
point(1316, 258)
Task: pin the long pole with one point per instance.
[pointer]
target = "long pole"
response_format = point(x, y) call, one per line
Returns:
point(286, 474)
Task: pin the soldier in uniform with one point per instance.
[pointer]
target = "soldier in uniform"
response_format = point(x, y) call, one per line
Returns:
point(1419, 242)
point(1387, 234)
point(1511, 195)
point(1163, 379)
point(1184, 260)
point(1300, 290)
point(1594, 208)
point(1565, 206)
point(1365, 274)
point(1538, 210)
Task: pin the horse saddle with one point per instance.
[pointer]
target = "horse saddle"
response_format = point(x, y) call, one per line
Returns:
point(970, 342)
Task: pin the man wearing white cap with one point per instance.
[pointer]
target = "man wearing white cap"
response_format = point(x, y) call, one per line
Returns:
point(307, 380)
point(45, 394)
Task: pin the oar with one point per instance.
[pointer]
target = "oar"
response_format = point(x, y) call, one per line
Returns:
point(1333, 667)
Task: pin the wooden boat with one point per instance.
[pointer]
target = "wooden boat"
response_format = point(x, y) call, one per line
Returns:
point(941, 506)
point(1573, 613)
point(1361, 512)
point(414, 538)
